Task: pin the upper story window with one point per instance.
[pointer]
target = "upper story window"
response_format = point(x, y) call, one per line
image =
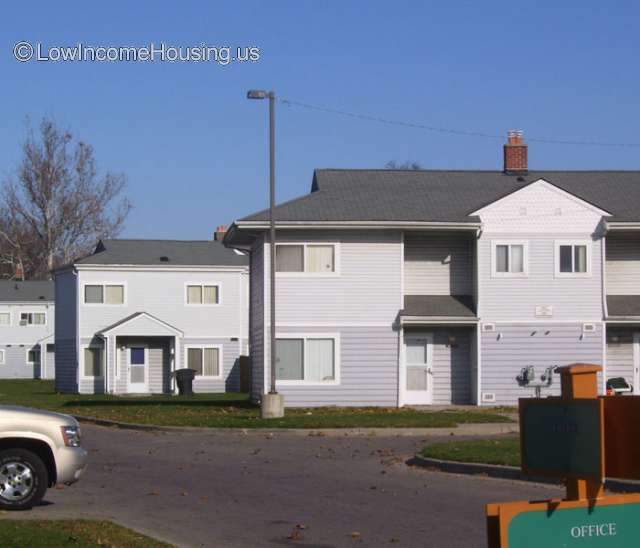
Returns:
point(203, 294)
point(33, 318)
point(5, 319)
point(510, 259)
point(104, 294)
point(306, 258)
point(573, 258)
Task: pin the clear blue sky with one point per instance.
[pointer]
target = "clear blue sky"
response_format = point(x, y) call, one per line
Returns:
point(195, 150)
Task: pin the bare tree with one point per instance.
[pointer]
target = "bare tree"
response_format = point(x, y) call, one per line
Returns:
point(392, 164)
point(57, 206)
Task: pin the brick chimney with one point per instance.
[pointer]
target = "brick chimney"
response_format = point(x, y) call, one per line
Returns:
point(515, 154)
point(19, 272)
point(219, 233)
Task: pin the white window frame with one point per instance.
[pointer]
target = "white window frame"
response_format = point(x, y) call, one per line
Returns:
point(83, 377)
point(305, 273)
point(30, 311)
point(3, 356)
point(10, 324)
point(572, 242)
point(336, 358)
point(525, 259)
point(203, 346)
point(31, 350)
point(103, 284)
point(202, 284)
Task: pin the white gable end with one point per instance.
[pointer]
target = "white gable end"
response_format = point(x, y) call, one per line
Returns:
point(540, 207)
point(143, 325)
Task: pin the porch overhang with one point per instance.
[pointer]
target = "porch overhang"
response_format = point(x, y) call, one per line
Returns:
point(141, 324)
point(623, 308)
point(438, 309)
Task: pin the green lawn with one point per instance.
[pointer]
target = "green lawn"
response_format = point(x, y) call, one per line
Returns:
point(505, 451)
point(224, 410)
point(76, 533)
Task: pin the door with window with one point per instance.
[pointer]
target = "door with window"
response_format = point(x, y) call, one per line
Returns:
point(138, 365)
point(636, 364)
point(418, 372)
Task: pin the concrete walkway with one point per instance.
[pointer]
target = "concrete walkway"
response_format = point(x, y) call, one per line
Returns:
point(465, 429)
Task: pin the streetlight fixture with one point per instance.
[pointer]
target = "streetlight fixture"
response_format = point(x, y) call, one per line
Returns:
point(272, 403)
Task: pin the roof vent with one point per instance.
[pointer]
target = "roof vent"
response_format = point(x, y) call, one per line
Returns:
point(164, 259)
point(41, 297)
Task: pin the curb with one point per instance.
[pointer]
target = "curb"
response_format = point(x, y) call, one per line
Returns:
point(474, 429)
point(507, 472)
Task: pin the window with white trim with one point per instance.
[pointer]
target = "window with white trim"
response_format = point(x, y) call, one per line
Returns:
point(204, 360)
point(2, 357)
point(5, 319)
point(33, 318)
point(510, 259)
point(92, 362)
point(33, 355)
point(307, 359)
point(573, 258)
point(104, 294)
point(316, 258)
point(203, 294)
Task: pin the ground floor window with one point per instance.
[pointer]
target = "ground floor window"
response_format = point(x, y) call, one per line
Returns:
point(2, 357)
point(33, 356)
point(92, 362)
point(307, 359)
point(204, 360)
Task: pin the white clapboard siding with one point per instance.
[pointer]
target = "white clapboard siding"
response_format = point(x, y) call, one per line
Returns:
point(366, 289)
point(438, 263)
point(162, 294)
point(623, 264)
point(509, 348)
point(516, 298)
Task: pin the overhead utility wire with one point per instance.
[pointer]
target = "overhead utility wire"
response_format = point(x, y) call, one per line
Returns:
point(414, 125)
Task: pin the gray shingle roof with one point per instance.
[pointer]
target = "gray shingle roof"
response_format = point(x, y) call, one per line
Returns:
point(30, 291)
point(460, 306)
point(150, 252)
point(445, 196)
point(623, 305)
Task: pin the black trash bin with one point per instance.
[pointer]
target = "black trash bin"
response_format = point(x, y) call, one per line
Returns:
point(184, 378)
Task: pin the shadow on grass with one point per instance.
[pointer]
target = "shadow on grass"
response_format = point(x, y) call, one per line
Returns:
point(168, 403)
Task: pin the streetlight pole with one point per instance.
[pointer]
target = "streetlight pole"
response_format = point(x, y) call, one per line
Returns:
point(272, 403)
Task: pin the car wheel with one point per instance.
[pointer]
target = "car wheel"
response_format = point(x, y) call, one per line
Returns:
point(23, 479)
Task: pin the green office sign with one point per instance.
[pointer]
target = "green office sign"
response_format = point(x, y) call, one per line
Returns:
point(609, 526)
point(560, 438)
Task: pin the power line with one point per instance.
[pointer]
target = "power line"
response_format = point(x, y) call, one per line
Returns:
point(381, 120)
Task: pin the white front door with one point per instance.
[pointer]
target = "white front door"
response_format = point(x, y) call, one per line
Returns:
point(418, 375)
point(636, 363)
point(138, 369)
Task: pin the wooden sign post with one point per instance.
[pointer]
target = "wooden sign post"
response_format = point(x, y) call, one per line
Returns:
point(581, 438)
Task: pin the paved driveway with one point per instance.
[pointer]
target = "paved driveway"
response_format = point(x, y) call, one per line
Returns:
point(233, 490)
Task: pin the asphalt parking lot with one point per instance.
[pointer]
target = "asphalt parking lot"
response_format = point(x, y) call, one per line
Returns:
point(234, 490)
